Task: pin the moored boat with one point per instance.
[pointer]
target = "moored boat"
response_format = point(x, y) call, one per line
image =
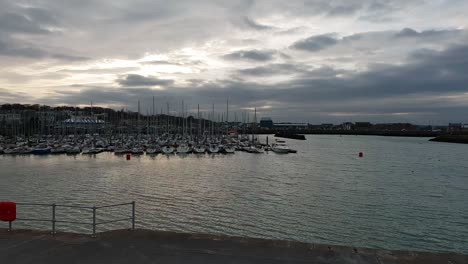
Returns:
point(167, 150)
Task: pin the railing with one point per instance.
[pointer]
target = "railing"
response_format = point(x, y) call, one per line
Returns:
point(94, 224)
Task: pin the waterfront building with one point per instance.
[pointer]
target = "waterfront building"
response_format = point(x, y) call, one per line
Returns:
point(455, 127)
point(266, 122)
point(362, 126)
point(290, 126)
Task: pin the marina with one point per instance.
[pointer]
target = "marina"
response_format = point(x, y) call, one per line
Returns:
point(93, 130)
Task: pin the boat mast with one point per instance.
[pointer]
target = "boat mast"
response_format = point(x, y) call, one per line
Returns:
point(227, 117)
point(153, 121)
point(212, 121)
point(138, 123)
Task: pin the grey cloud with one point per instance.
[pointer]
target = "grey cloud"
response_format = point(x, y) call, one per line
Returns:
point(315, 43)
point(344, 10)
point(41, 16)
point(257, 26)
point(135, 80)
point(18, 23)
point(271, 70)
point(380, 92)
point(254, 55)
point(7, 48)
point(369, 42)
point(437, 34)
point(12, 48)
point(301, 71)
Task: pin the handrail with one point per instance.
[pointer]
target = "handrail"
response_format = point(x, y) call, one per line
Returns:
point(74, 206)
point(33, 219)
point(112, 205)
point(93, 208)
point(37, 204)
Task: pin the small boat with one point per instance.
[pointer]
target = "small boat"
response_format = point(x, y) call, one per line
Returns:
point(255, 149)
point(73, 150)
point(280, 147)
point(213, 148)
point(137, 151)
point(167, 150)
point(41, 150)
point(153, 150)
point(11, 151)
point(91, 151)
point(183, 149)
point(199, 149)
point(58, 150)
point(229, 149)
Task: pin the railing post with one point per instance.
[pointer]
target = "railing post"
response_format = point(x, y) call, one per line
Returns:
point(133, 215)
point(53, 219)
point(94, 221)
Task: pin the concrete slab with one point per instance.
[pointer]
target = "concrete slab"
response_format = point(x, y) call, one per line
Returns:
point(147, 246)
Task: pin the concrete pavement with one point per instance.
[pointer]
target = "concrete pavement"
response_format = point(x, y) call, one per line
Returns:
point(146, 246)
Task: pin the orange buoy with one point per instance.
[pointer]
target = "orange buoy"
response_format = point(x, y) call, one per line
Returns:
point(129, 156)
point(361, 154)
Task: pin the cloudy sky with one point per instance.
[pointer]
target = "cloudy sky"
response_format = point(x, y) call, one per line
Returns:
point(311, 61)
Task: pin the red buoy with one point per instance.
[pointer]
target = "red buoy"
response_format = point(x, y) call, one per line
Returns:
point(7, 211)
point(129, 156)
point(361, 154)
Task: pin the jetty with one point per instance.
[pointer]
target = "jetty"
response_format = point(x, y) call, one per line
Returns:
point(290, 136)
point(147, 246)
point(461, 139)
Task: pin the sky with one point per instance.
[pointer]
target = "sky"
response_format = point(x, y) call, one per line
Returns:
point(311, 61)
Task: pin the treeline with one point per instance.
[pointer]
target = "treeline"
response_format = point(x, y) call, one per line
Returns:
point(37, 107)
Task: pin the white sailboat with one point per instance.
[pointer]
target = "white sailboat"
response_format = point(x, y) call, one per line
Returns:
point(213, 148)
point(199, 149)
point(167, 150)
point(183, 149)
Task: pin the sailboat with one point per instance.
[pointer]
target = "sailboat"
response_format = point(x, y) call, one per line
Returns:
point(167, 149)
point(183, 149)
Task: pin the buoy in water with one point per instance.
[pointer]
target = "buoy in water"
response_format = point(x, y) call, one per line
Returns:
point(361, 154)
point(129, 156)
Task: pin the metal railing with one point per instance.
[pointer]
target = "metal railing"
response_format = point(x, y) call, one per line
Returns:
point(94, 223)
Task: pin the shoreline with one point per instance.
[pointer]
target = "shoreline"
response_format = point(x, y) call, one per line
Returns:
point(458, 139)
point(149, 246)
point(355, 133)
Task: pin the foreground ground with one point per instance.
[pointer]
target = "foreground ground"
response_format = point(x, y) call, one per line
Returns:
point(144, 246)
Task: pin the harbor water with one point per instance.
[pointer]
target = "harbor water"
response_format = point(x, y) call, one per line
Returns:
point(404, 193)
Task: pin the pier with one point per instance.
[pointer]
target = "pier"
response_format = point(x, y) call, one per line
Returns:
point(146, 246)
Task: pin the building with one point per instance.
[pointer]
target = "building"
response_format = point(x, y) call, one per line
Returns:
point(84, 122)
point(266, 122)
point(455, 127)
point(395, 127)
point(347, 126)
point(326, 126)
point(362, 126)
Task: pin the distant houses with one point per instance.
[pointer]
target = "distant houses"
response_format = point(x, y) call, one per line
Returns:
point(267, 123)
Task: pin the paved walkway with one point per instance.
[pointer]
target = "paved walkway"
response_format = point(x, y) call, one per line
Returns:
point(144, 246)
